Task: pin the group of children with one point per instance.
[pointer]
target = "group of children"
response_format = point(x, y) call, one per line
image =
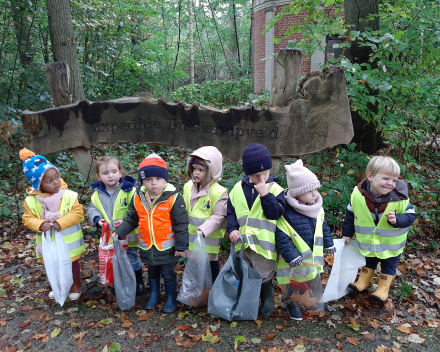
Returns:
point(161, 224)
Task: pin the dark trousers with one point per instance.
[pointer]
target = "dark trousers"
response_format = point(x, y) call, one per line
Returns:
point(165, 270)
point(388, 266)
point(215, 269)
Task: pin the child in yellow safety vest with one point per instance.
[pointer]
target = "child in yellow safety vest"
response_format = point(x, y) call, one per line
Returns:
point(159, 211)
point(305, 215)
point(254, 206)
point(50, 205)
point(110, 202)
point(206, 202)
point(380, 215)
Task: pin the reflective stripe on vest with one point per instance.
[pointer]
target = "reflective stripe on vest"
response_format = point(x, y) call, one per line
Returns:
point(155, 227)
point(202, 210)
point(72, 235)
point(121, 207)
point(302, 273)
point(259, 231)
point(382, 241)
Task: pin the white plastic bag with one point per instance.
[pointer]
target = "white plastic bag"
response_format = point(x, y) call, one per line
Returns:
point(348, 259)
point(196, 279)
point(58, 265)
point(124, 277)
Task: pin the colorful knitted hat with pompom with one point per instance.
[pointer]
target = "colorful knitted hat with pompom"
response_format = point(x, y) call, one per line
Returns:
point(34, 167)
point(153, 166)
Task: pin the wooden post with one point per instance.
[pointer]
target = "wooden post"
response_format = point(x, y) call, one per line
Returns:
point(285, 78)
point(58, 75)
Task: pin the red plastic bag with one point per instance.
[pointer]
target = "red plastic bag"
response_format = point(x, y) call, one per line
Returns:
point(105, 252)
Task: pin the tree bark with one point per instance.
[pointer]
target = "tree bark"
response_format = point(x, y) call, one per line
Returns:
point(64, 43)
point(191, 42)
point(285, 78)
point(367, 138)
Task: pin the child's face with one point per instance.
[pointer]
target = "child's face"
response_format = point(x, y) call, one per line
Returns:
point(51, 182)
point(154, 185)
point(260, 177)
point(199, 173)
point(309, 197)
point(381, 183)
point(109, 174)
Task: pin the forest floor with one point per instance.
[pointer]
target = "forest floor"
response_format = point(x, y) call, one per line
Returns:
point(29, 320)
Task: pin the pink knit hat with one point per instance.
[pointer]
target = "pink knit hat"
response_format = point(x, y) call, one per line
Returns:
point(300, 179)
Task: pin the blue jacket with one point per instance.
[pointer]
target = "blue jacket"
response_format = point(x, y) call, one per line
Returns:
point(305, 228)
point(126, 184)
point(273, 207)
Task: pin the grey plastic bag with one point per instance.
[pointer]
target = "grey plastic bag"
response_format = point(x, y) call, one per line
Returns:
point(236, 291)
point(125, 280)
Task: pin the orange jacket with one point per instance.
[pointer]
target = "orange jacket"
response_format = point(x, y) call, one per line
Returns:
point(155, 227)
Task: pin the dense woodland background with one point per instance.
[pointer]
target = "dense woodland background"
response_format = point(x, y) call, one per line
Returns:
point(126, 47)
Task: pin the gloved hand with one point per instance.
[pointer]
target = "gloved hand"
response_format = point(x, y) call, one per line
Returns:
point(39, 248)
point(296, 262)
point(331, 250)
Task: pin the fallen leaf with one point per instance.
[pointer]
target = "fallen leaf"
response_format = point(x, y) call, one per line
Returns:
point(127, 324)
point(124, 317)
point(339, 335)
point(233, 324)
point(299, 348)
point(25, 323)
point(415, 338)
point(210, 350)
point(405, 330)
point(355, 327)
point(114, 347)
point(183, 327)
point(255, 340)
point(258, 322)
point(339, 345)
point(389, 304)
point(140, 312)
point(79, 335)
point(145, 317)
point(106, 321)
point(132, 334)
point(55, 332)
point(182, 314)
point(353, 340)
point(270, 336)
point(71, 310)
point(215, 339)
point(375, 325)
point(239, 339)
point(370, 337)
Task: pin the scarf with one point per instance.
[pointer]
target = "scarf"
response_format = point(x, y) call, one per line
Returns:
point(310, 211)
point(51, 205)
point(148, 199)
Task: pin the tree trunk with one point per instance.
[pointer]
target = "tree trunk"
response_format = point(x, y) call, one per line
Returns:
point(191, 42)
point(367, 138)
point(64, 43)
point(285, 77)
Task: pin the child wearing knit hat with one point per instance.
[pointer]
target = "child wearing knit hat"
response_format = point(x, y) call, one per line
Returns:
point(254, 206)
point(50, 205)
point(159, 211)
point(304, 213)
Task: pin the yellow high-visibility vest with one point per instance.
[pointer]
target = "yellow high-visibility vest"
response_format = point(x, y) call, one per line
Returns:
point(203, 209)
point(382, 241)
point(72, 235)
point(302, 272)
point(259, 230)
point(121, 207)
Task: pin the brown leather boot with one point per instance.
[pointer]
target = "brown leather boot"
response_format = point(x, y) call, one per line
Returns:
point(364, 280)
point(75, 290)
point(383, 287)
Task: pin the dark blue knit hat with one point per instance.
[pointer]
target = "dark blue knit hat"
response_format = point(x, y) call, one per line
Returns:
point(256, 158)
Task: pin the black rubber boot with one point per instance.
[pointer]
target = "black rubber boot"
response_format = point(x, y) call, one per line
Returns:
point(140, 287)
point(170, 296)
point(266, 296)
point(215, 269)
point(154, 294)
point(294, 312)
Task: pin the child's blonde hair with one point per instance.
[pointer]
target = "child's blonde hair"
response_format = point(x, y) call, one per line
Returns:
point(103, 160)
point(383, 164)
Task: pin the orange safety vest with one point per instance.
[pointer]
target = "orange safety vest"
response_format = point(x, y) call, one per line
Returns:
point(155, 227)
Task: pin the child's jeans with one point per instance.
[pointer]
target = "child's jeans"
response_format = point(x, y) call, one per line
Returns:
point(387, 266)
point(165, 270)
point(134, 258)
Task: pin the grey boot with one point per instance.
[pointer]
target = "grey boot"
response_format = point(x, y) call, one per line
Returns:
point(266, 296)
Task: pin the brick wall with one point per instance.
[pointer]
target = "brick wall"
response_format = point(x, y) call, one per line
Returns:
point(259, 50)
point(259, 43)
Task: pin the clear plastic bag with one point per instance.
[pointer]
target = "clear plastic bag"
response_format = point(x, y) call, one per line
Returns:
point(124, 277)
point(306, 294)
point(58, 265)
point(196, 279)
